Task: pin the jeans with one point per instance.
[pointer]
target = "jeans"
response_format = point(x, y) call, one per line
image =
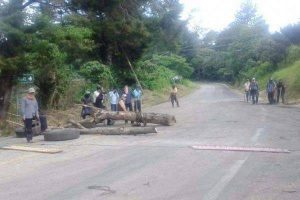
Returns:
point(271, 97)
point(280, 93)
point(28, 129)
point(137, 106)
point(247, 94)
point(254, 95)
point(113, 107)
point(128, 107)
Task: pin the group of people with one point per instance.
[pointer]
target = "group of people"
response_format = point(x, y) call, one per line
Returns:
point(275, 90)
point(125, 100)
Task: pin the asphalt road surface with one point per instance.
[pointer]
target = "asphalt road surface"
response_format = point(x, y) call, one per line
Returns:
point(163, 166)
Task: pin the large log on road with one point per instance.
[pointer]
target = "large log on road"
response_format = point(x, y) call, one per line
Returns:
point(154, 118)
point(119, 130)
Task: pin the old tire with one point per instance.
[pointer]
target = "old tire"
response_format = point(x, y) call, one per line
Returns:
point(61, 135)
point(20, 133)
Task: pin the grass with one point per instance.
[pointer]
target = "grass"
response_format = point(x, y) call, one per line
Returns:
point(156, 97)
point(291, 77)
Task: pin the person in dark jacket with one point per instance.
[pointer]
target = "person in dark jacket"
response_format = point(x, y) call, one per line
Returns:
point(99, 99)
point(254, 91)
point(30, 111)
point(271, 86)
point(280, 91)
point(87, 101)
point(128, 100)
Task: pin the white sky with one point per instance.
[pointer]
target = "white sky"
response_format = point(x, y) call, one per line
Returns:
point(217, 14)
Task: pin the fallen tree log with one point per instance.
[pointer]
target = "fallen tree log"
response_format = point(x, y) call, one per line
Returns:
point(119, 130)
point(154, 118)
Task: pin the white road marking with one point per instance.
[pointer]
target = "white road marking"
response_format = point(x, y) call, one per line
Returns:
point(255, 137)
point(214, 193)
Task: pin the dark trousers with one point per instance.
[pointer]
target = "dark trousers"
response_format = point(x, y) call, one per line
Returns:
point(137, 106)
point(128, 107)
point(254, 96)
point(174, 99)
point(28, 129)
point(271, 97)
point(113, 107)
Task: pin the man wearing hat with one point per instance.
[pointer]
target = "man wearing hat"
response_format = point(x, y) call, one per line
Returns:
point(29, 108)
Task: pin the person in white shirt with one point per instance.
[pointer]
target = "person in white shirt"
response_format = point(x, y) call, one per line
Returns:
point(96, 94)
point(247, 90)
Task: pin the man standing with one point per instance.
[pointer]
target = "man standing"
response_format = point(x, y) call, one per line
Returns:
point(137, 93)
point(173, 96)
point(29, 108)
point(86, 101)
point(128, 100)
point(271, 86)
point(280, 91)
point(96, 93)
point(114, 99)
point(99, 99)
point(247, 90)
point(254, 91)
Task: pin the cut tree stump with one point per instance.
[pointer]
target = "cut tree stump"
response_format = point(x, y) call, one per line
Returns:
point(119, 130)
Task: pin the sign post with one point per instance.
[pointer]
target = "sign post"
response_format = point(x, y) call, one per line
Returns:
point(26, 78)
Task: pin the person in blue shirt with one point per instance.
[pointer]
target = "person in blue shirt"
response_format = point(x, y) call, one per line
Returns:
point(137, 93)
point(114, 99)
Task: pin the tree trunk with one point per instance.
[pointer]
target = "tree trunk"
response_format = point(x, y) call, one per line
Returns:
point(154, 118)
point(119, 130)
point(6, 85)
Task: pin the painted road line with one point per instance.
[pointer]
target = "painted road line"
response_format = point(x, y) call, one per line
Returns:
point(255, 137)
point(214, 193)
point(248, 149)
point(31, 149)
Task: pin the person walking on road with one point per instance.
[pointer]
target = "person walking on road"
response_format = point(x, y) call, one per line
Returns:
point(247, 90)
point(280, 91)
point(137, 94)
point(30, 111)
point(271, 87)
point(254, 91)
point(173, 96)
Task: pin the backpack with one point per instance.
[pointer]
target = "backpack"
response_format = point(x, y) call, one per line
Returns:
point(270, 87)
point(254, 86)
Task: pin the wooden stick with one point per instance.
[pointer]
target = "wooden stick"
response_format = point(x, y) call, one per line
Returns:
point(76, 124)
point(31, 149)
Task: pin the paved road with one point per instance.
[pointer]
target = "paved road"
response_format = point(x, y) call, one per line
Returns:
point(163, 166)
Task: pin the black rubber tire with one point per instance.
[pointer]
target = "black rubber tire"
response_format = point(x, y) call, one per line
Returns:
point(20, 133)
point(61, 134)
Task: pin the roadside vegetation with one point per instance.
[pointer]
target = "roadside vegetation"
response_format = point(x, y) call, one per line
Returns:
point(73, 46)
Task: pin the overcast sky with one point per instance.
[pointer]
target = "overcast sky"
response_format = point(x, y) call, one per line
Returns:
point(217, 14)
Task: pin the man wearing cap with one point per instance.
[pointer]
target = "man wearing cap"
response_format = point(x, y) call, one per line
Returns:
point(29, 108)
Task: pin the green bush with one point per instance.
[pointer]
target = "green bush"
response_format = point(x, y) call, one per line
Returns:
point(97, 73)
point(175, 63)
point(153, 76)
